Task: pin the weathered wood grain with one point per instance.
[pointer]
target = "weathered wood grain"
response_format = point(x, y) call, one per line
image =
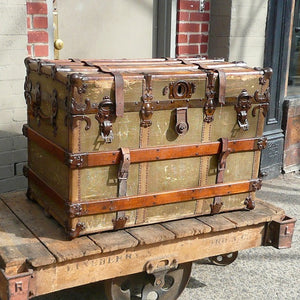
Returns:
point(217, 222)
point(50, 233)
point(113, 241)
point(130, 261)
point(188, 227)
point(151, 234)
point(18, 245)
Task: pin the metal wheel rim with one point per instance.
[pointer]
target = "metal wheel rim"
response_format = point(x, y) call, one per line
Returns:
point(140, 286)
point(224, 259)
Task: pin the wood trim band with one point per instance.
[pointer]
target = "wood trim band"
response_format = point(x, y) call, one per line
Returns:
point(105, 158)
point(60, 201)
point(150, 200)
point(44, 143)
point(94, 207)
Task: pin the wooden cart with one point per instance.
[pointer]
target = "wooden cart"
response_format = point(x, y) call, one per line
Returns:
point(34, 250)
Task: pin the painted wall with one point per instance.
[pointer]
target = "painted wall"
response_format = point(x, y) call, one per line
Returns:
point(238, 30)
point(13, 40)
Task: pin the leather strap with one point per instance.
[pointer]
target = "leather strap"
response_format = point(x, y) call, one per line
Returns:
point(222, 81)
point(222, 86)
point(123, 172)
point(225, 151)
point(76, 60)
point(119, 86)
point(121, 219)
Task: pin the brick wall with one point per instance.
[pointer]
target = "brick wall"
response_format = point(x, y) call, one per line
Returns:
point(37, 26)
point(192, 28)
point(13, 39)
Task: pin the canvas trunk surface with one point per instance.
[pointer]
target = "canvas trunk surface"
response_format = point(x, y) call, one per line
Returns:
point(120, 143)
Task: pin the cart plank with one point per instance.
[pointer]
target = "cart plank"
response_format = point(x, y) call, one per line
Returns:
point(151, 234)
point(18, 244)
point(134, 260)
point(263, 212)
point(217, 222)
point(113, 241)
point(47, 230)
point(188, 227)
point(269, 208)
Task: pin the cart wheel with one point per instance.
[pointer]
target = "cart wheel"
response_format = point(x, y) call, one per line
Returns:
point(223, 259)
point(140, 286)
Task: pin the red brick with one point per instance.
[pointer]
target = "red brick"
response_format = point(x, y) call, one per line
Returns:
point(29, 50)
point(183, 16)
point(189, 5)
point(41, 50)
point(37, 8)
point(199, 17)
point(198, 38)
point(206, 6)
point(28, 22)
point(182, 38)
point(189, 49)
point(203, 49)
point(188, 27)
point(40, 22)
point(204, 27)
point(37, 37)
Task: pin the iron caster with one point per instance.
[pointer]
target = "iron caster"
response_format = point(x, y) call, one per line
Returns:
point(143, 286)
point(224, 259)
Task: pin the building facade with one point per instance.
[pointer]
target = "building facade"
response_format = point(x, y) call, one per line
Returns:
point(260, 32)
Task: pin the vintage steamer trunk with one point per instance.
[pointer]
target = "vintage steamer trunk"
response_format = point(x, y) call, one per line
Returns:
point(120, 143)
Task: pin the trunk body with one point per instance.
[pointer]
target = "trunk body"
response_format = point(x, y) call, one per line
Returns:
point(192, 131)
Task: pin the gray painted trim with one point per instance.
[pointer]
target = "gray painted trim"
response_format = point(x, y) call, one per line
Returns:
point(173, 30)
point(164, 28)
point(50, 29)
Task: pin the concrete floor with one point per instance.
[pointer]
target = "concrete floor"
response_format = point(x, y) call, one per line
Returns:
point(262, 273)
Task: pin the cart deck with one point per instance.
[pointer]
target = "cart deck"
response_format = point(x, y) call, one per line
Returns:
point(36, 258)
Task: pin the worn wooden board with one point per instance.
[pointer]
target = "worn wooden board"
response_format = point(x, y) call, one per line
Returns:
point(3, 287)
point(269, 208)
point(151, 234)
point(50, 233)
point(130, 261)
point(187, 227)
point(217, 222)
point(18, 245)
point(113, 241)
point(263, 212)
